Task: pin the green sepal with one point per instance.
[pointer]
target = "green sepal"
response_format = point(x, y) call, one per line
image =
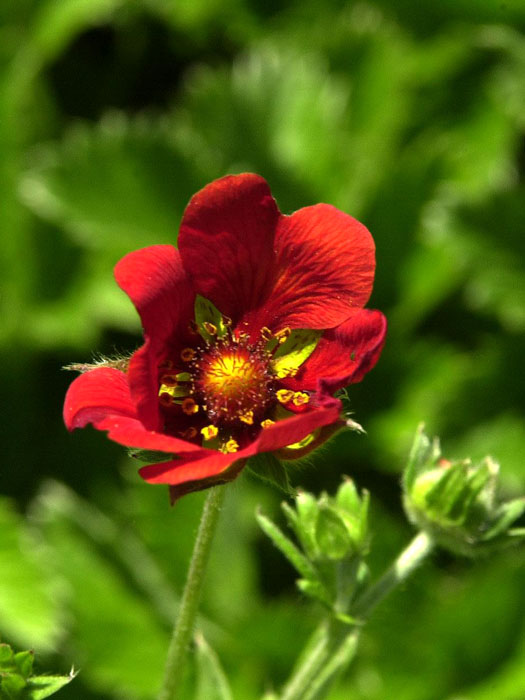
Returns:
point(269, 469)
point(206, 312)
point(295, 350)
point(212, 683)
point(12, 687)
point(150, 456)
point(40, 687)
point(505, 515)
point(24, 662)
point(7, 658)
point(332, 536)
point(287, 547)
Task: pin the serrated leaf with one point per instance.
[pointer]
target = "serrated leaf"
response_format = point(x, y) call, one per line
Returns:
point(295, 350)
point(287, 547)
point(212, 683)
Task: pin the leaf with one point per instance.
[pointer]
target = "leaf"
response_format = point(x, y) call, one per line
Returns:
point(212, 683)
point(28, 607)
point(24, 662)
point(112, 186)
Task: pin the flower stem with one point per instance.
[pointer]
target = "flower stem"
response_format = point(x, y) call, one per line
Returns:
point(190, 598)
point(335, 642)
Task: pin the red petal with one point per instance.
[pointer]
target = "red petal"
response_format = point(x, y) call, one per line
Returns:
point(96, 394)
point(211, 463)
point(101, 397)
point(226, 242)
point(325, 262)
point(361, 337)
point(158, 286)
point(143, 382)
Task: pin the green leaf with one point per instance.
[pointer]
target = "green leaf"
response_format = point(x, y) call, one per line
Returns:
point(113, 186)
point(6, 657)
point(207, 313)
point(287, 547)
point(28, 606)
point(315, 590)
point(40, 687)
point(270, 470)
point(212, 683)
point(295, 350)
point(333, 538)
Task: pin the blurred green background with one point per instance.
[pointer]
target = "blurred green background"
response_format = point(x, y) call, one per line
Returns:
point(411, 117)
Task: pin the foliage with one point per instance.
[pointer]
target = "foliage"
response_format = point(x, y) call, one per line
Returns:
point(408, 116)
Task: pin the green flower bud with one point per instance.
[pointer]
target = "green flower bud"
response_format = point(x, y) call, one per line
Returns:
point(455, 501)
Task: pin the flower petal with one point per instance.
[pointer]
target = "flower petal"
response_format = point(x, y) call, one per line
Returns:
point(344, 354)
point(158, 286)
point(324, 269)
point(226, 242)
point(211, 463)
point(101, 397)
point(96, 394)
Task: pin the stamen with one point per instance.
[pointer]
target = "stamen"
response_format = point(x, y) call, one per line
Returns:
point(267, 423)
point(300, 398)
point(210, 328)
point(188, 354)
point(284, 395)
point(247, 417)
point(230, 446)
point(189, 407)
point(209, 432)
point(283, 335)
point(266, 333)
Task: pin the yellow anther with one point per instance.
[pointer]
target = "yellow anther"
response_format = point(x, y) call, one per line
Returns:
point(247, 417)
point(227, 321)
point(210, 328)
point(300, 398)
point(266, 333)
point(230, 446)
point(286, 372)
point(283, 335)
point(189, 433)
point(209, 432)
point(285, 395)
point(267, 423)
point(189, 407)
point(188, 354)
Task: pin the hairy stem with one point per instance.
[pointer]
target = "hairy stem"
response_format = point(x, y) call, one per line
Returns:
point(190, 598)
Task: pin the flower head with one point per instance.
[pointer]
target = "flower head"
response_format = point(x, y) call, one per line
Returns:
point(250, 327)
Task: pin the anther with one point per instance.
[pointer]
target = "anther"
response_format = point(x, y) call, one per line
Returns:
point(188, 354)
point(247, 417)
point(300, 398)
point(284, 395)
point(189, 407)
point(210, 328)
point(267, 423)
point(209, 432)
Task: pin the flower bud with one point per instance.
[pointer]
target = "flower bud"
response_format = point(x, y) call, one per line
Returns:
point(455, 501)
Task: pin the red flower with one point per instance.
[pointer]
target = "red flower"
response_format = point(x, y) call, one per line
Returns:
point(250, 327)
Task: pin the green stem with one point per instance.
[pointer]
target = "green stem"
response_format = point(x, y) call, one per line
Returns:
point(409, 559)
point(337, 641)
point(190, 598)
